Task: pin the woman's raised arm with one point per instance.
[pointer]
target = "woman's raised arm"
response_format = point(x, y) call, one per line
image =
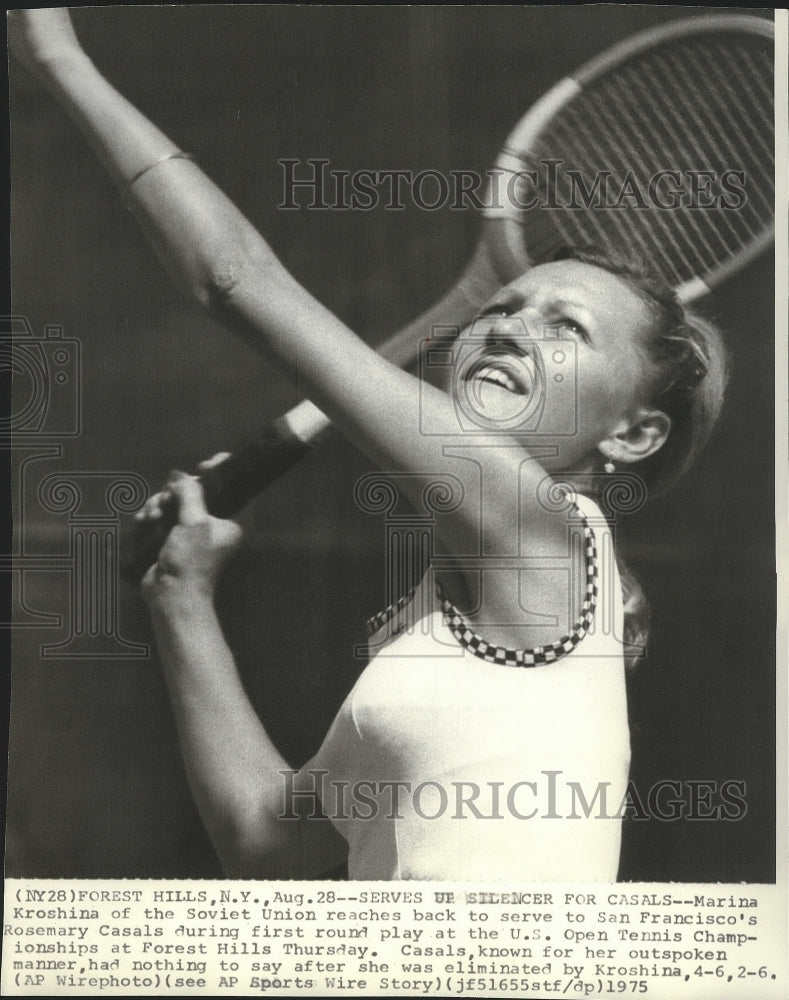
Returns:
point(218, 257)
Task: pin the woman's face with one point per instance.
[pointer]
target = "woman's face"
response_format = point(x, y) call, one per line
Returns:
point(556, 356)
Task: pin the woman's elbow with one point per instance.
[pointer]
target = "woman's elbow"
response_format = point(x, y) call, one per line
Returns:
point(215, 282)
point(224, 280)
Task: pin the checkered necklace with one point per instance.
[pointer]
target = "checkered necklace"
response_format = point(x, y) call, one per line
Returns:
point(475, 644)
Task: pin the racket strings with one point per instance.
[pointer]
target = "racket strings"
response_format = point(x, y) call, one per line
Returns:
point(597, 226)
point(669, 247)
point(700, 109)
point(674, 126)
point(684, 136)
point(745, 144)
point(737, 144)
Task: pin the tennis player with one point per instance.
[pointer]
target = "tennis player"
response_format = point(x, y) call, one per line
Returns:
point(488, 736)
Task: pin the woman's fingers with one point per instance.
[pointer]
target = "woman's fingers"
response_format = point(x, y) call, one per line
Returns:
point(211, 463)
point(197, 546)
point(189, 494)
point(155, 506)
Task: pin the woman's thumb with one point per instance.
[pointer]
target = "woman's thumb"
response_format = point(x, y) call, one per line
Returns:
point(189, 493)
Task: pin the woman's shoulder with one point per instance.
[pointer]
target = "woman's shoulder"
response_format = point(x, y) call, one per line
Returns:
point(586, 508)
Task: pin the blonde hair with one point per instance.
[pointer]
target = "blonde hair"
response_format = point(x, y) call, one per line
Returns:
point(685, 377)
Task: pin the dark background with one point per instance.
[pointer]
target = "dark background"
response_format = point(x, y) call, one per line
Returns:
point(96, 783)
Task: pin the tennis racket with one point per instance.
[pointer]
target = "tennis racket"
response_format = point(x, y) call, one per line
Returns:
point(663, 146)
point(675, 126)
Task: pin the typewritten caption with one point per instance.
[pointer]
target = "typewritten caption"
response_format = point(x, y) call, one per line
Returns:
point(138, 938)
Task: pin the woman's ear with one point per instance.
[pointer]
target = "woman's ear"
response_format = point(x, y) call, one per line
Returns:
point(640, 439)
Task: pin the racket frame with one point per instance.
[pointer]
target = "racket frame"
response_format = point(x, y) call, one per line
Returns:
point(503, 220)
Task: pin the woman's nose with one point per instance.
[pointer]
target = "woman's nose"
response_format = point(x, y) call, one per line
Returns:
point(510, 330)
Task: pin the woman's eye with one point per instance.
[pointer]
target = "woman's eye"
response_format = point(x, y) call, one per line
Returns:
point(573, 326)
point(498, 309)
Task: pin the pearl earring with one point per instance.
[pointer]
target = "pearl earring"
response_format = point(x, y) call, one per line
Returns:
point(609, 467)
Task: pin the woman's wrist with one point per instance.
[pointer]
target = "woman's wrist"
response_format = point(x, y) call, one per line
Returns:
point(43, 40)
point(170, 598)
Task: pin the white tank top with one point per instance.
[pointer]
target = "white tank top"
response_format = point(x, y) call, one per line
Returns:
point(444, 765)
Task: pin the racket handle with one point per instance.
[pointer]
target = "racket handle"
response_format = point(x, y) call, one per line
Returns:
point(227, 487)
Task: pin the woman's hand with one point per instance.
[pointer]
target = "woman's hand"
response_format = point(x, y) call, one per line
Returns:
point(155, 507)
point(196, 549)
point(39, 37)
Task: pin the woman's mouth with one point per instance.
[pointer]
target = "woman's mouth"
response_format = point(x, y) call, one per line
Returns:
point(500, 377)
point(496, 388)
point(512, 374)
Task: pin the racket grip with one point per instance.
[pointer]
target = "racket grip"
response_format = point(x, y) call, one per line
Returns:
point(227, 487)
